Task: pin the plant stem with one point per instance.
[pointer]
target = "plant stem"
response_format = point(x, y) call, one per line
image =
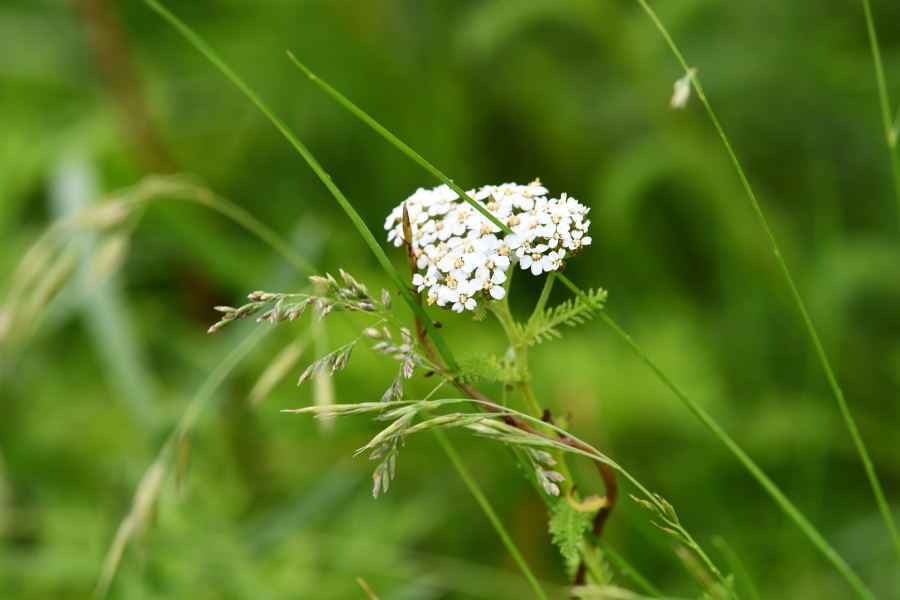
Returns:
point(500, 308)
point(885, 105)
point(542, 300)
point(323, 176)
point(519, 345)
point(737, 567)
point(838, 393)
point(489, 512)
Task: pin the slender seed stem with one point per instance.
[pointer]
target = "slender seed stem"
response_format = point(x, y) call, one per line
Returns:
point(253, 225)
point(838, 393)
point(489, 512)
point(884, 103)
point(567, 442)
point(768, 485)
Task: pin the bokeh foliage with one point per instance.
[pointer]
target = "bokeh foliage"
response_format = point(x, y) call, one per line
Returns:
point(572, 91)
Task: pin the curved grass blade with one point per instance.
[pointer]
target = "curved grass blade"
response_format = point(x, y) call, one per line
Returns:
point(890, 128)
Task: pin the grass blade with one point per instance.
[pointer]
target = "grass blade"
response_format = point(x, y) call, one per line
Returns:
point(767, 484)
point(482, 500)
point(890, 128)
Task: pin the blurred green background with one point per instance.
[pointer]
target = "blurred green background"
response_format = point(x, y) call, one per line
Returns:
point(95, 95)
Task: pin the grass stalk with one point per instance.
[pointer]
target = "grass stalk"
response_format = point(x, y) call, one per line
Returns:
point(838, 393)
point(767, 484)
point(890, 129)
point(742, 575)
point(488, 510)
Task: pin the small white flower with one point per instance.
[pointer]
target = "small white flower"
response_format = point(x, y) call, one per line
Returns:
point(462, 257)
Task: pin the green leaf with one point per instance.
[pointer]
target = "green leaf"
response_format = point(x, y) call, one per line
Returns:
point(567, 529)
point(572, 312)
point(486, 367)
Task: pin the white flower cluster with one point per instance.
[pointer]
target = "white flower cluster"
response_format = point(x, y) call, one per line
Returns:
point(462, 256)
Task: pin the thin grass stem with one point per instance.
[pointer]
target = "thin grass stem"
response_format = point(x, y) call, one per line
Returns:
point(485, 505)
point(737, 567)
point(885, 104)
point(838, 393)
point(195, 40)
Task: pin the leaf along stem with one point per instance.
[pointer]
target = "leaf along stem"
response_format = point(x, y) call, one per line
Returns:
point(482, 500)
point(838, 393)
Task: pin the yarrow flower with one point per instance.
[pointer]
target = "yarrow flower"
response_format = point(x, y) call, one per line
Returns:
point(463, 258)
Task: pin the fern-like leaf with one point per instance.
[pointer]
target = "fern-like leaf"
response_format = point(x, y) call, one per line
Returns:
point(572, 312)
point(567, 529)
point(486, 367)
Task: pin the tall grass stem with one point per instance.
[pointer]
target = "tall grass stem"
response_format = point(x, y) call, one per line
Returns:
point(838, 393)
point(890, 127)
